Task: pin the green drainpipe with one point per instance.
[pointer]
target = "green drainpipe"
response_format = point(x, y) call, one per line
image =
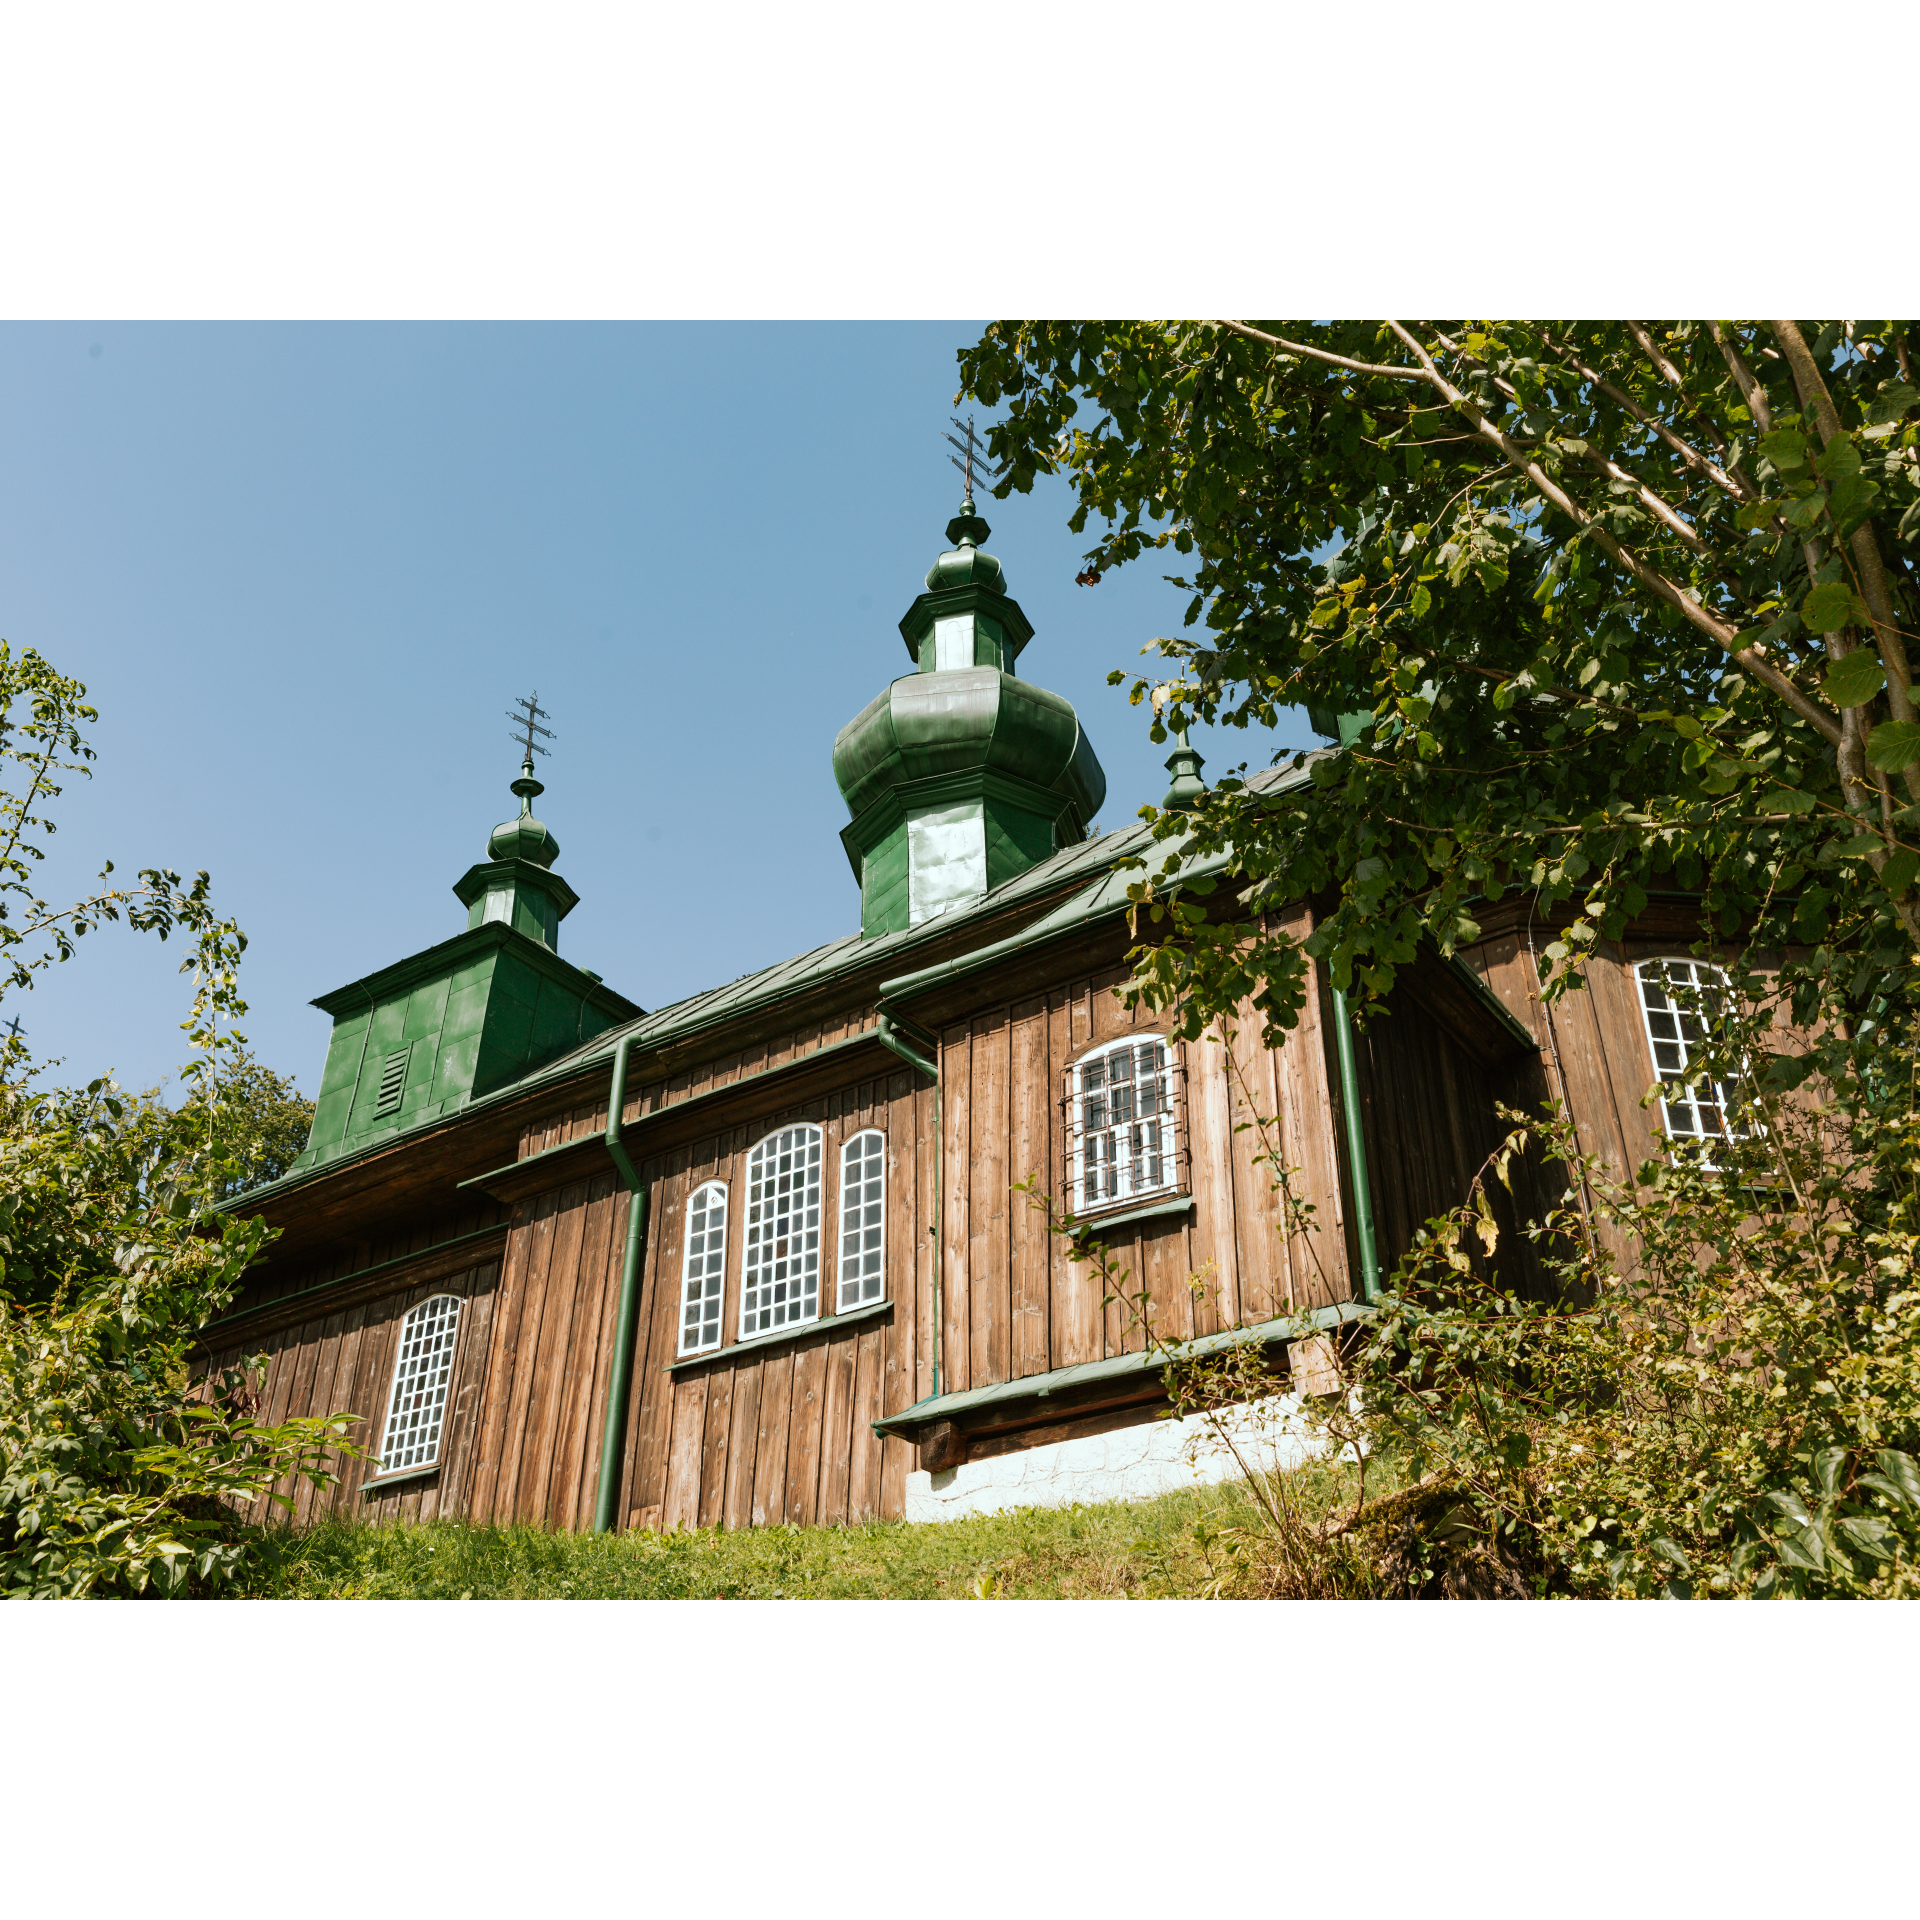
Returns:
point(1356, 1150)
point(613, 1438)
point(901, 1037)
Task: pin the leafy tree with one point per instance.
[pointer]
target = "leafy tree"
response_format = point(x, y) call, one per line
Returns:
point(118, 1471)
point(1627, 606)
point(258, 1130)
point(1599, 609)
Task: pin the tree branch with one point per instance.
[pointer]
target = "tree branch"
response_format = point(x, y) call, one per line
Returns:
point(1751, 390)
point(1724, 636)
point(1727, 480)
point(1315, 353)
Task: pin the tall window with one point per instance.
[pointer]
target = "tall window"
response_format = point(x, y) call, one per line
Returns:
point(1121, 1124)
point(1680, 1000)
point(421, 1371)
point(781, 1282)
point(703, 1274)
point(863, 1220)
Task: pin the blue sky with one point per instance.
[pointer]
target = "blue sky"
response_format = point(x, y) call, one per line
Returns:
point(304, 569)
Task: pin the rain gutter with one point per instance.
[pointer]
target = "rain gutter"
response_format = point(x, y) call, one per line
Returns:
point(620, 1380)
point(1356, 1150)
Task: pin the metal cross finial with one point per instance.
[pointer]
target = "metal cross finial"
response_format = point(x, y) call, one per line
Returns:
point(527, 721)
point(14, 1027)
point(974, 449)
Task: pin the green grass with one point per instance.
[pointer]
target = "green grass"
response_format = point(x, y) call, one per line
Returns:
point(1202, 1542)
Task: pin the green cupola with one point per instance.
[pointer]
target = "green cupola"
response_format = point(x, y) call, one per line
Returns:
point(422, 1037)
point(960, 775)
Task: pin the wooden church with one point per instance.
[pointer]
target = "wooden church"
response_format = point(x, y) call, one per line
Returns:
point(758, 1257)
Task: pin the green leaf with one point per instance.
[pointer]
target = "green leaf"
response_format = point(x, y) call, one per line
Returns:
point(1904, 1472)
point(1672, 1554)
point(1853, 681)
point(1893, 745)
point(1898, 874)
point(1784, 1500)
point(1422, 603)
point(1830, 607)
point(1866, 1535)
point(1805, 1550)
point(1893, 399)
point(1828, 1465)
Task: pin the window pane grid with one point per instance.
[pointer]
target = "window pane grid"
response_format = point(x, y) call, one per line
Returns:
point(863, 1223)
point(1121, 1130)
point(703, 1276)
point(422, 1369)
point(1679, 1000)
point(782, 1270)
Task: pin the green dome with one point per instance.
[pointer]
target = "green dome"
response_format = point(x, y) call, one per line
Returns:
point(975, 720)
point(966, 565)
point(525, 838)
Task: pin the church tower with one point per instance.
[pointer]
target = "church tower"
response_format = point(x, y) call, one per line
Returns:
point(960, 775)
point(421, 1038)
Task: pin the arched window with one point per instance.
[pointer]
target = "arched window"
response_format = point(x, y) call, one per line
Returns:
point(863, 1220)
point(1680, 1000)
point(421, 1371)
point(703, 1274)
point(781, 1281)
point(1122, 1143)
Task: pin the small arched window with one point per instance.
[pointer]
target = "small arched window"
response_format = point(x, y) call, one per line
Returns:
point(422, 1369)
point(703, 1273)
point(1122, 1143)
point(863, 1220)
point(1680, 1000)
point(780, 1281)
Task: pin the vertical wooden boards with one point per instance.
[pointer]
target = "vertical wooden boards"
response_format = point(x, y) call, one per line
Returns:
point(576, 1412)
point(713, 1447)
point(544, 1389)
point(743, 1445)
point(1031, 1109)
point(912, 1359)
point(864, 1449)
point(987, 1183)
point(1209, 1122)
point(469, 1386)
point(805, 1410)
point(955, 1331)
point(836, 1427)
point(770, 1456)
point(1076, 1316)
point(680, 1500)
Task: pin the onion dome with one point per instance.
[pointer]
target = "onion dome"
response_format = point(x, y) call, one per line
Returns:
point(965, 565)
point(525, 838)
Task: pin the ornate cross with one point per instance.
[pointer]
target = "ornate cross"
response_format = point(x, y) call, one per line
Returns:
point(527, 720)
point(975, 451)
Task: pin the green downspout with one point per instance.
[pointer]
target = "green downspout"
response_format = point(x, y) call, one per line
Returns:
point(619, 1383)
point(890, 1034)
point(1356, 1150)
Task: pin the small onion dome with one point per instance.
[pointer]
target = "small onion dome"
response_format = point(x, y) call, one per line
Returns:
point(525, 838)
point(965, 565)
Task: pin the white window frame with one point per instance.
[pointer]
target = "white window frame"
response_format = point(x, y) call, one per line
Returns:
point(861, 1271)
point(1122, 1157)
point(1705, 1110)
point(703, 1292)
point(780, 1260)
point(422, 1379)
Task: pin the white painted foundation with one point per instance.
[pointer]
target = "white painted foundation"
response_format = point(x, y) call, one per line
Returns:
point(1135, 1463)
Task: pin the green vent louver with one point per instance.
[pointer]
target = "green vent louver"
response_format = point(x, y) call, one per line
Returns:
point(393, 1078)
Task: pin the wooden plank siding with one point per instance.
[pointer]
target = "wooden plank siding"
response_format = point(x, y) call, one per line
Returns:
point(979, 1291)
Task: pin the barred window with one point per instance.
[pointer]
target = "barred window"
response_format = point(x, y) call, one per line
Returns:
point(1680, 1000)
point(1122, 1140)
point(863, 1221)
point(421, 1371)
point(781, 1283)
point(703, 1273)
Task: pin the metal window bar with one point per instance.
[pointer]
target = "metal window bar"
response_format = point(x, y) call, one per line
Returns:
point(1680, 1000)
point(703, 1273)
point(422, 1369)
point(781, 1282)
point(863, 1220)
point(1124, 1139)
